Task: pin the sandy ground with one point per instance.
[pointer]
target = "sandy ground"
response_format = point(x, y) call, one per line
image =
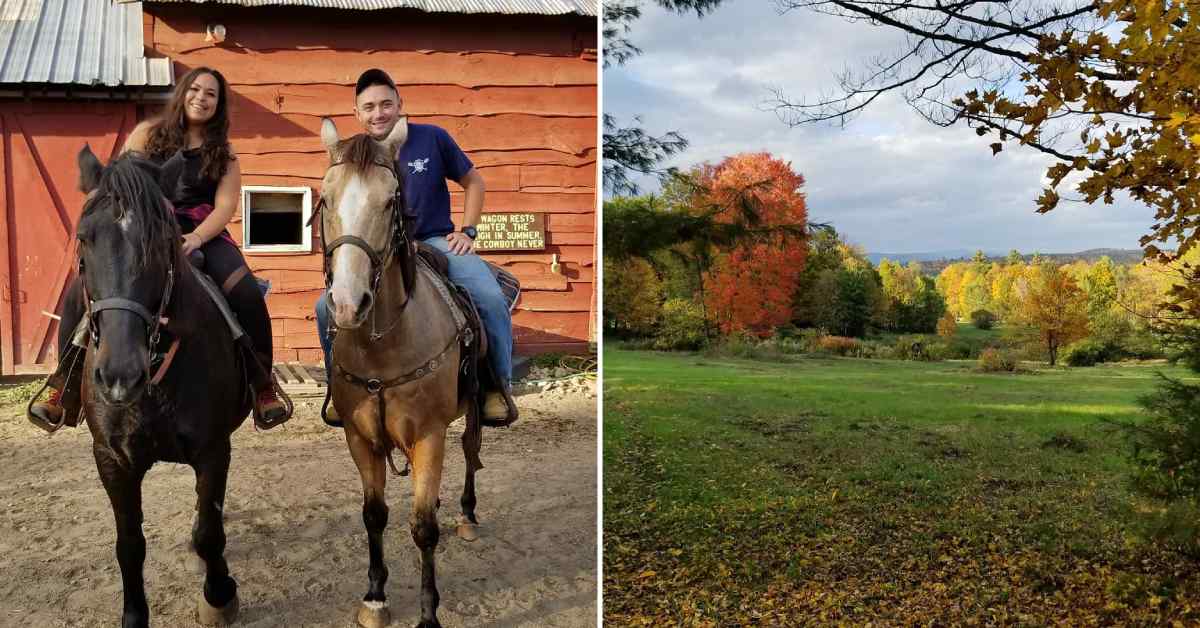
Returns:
point(296, 543)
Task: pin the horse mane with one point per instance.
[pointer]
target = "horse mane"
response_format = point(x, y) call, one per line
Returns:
point(360, 153)
point(131, 181)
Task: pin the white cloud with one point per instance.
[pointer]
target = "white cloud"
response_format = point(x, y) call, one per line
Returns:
point(889, 181)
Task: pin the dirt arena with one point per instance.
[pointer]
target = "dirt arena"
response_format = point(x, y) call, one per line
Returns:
point(296, 543)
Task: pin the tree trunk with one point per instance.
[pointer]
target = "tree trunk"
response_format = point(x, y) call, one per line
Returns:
point(703, 301)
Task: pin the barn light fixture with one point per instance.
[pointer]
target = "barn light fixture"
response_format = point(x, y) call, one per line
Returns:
point(216, 33)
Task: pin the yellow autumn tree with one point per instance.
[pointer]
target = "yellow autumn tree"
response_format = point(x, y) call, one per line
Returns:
point(947, 325)
point(633, 296)
point(949, 283)
point(1052, 304)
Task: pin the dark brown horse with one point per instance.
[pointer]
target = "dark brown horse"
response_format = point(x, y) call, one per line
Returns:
point(147, 310)
point(396, 356)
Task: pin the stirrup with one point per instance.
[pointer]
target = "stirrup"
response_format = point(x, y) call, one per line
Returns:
point(329, 413)
point(260, 419)
point(47, 424)
point(507, 420)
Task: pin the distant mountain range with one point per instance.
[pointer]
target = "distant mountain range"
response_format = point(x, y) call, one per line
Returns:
point(928, 256)
point(932, 262)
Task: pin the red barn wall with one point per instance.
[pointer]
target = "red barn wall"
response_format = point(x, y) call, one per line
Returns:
point(518, 93)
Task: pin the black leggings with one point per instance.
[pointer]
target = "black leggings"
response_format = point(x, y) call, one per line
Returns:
point(221, 259)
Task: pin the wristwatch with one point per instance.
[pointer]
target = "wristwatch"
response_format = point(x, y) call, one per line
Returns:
point(470, 231)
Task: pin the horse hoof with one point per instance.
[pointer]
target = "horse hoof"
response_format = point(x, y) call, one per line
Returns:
point(211, 616)
point(468, 531)
point(430, 624)
point(374, 615)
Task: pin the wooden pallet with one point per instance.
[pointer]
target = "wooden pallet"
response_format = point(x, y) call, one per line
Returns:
point(300, 380)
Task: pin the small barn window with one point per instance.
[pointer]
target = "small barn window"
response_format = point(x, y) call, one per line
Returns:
point(274, 218)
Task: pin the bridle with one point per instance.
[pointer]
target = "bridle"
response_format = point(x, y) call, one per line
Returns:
point(153, 322)
point(379, 260)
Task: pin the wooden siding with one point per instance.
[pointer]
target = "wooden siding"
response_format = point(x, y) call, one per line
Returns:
point(40, 203)
point(518, 93)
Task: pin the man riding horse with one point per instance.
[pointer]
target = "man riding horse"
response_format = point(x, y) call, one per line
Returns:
point(428, 157)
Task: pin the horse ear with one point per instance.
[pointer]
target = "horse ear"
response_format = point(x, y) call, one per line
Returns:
point(89, 169)
point(396, 138)
point(329, 134)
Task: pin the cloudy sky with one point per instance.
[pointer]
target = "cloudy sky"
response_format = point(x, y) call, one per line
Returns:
point(889, 181)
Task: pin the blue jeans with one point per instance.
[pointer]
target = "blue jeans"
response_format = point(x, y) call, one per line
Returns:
point(470, 272)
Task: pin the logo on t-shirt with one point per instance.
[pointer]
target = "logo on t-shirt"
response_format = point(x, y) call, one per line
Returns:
point(418, 165)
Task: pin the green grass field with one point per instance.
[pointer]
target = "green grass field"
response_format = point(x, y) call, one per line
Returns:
point(852, 491)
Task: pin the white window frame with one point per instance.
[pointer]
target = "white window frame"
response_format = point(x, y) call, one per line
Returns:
point(305, 245)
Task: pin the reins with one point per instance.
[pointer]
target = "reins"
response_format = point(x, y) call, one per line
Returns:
point(154, 322)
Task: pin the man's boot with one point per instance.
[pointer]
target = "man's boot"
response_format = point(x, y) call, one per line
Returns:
point(499, 408)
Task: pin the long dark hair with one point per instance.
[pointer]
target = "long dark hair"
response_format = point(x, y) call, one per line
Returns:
point(169, 133)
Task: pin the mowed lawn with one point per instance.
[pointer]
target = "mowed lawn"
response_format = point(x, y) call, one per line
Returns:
point(844, 491)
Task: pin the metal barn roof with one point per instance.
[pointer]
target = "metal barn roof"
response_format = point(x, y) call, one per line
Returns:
point(511, 7)
point(76, 42)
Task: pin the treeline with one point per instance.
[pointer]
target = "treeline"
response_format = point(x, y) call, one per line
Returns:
point(725, 251)
point(1107, 308)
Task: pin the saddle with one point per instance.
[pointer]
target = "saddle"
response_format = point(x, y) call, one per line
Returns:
point(480, 378)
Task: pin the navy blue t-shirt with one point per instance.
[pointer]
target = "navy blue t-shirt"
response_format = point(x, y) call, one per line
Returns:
point(429, 157)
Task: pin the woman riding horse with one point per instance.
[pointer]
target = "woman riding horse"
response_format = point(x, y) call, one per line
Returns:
point(146, 311)
point(202, 180)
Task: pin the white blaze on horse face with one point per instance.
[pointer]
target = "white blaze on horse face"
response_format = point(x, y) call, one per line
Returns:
point(351, 265)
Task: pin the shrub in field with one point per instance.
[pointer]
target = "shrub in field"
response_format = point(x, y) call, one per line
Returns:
point(681, 327)
point(876, 350)
point(947, 325)
point(996, 361)
point(744, 345)
point(1166, 448)
point(1165, 451)
point(937, 351)
point(784, 343)
point(839, 345)
point(810, 339)
point(735, 345)
point(983, 319)
point(1086, 353)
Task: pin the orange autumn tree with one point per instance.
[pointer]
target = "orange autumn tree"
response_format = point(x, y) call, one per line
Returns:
point(751, 286)
point(1054, 306)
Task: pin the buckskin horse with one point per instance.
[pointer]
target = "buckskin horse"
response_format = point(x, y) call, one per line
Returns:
point(146, 309)
point(395, 381)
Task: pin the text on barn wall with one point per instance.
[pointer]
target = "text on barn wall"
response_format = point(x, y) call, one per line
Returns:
point(511, 231)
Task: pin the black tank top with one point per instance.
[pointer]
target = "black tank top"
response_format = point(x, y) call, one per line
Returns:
point(183, 180)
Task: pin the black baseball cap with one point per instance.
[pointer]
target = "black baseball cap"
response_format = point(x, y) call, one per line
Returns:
point(374, 76)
